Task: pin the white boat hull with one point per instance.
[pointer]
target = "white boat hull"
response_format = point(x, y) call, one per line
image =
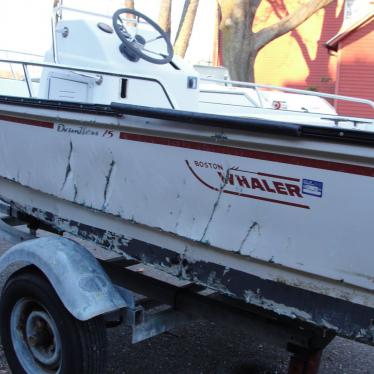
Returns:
point(238, 211)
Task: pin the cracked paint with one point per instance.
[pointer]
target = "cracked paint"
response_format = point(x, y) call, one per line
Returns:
point(75, 192)
point(253, 226)
point(179, 214)
point(216, 203)
point(68, 167)
point(108, 183)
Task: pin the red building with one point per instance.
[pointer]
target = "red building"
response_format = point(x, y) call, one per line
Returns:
point(329, 52)
point(299, 58)
point(354, 46)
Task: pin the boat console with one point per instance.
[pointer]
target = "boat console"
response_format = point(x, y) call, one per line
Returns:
point(135, 48)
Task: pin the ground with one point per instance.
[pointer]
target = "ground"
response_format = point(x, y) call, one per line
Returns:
point(203, 348)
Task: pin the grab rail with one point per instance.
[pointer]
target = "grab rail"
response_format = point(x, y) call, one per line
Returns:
point(10, 51)
point(57, 9)
point(256, 86)
point(173, 104)
point(100, 73)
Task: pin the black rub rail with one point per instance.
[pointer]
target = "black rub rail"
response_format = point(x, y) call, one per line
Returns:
point(257, 125)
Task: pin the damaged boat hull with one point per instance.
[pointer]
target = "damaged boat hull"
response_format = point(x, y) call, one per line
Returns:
point(270, 217)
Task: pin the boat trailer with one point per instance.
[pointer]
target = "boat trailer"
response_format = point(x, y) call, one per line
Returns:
point(166, 302)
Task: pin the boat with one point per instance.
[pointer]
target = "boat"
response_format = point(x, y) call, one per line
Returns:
point(260, 193)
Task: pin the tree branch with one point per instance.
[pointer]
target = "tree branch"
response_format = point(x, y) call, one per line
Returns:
point(267, 34)
point(164, 16)
point(238, 11)
point(181, 43)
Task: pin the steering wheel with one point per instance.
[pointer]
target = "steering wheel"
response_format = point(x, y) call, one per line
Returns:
point(127, 30)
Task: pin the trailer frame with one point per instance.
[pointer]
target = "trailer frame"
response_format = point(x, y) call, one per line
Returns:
point(166, 302)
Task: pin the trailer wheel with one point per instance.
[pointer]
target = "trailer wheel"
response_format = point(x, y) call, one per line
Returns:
point(39, 335)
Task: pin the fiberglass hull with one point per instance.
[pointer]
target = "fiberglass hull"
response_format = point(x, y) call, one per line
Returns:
point(279, 220)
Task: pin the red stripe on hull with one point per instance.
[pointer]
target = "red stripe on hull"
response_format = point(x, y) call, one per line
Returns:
point(279, 177)
point(259, 155)
point(267, 199)
point(26, 121)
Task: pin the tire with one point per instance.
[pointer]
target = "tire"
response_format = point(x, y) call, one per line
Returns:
point(39, 335)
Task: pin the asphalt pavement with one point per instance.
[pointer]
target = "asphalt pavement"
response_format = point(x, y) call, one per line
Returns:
point(204, 347)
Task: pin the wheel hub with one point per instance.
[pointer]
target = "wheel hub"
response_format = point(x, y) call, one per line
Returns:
point(35, 338)
point(41, 338)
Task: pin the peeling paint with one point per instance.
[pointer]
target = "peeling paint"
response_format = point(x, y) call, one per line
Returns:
point(213, 280)
point(182, 262)
point(281, 309)
point(348, 319)
point(365, 335)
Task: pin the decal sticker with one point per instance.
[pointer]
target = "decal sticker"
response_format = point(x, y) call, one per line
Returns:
point(84, 130)
point(253, 184)
point(312, 188)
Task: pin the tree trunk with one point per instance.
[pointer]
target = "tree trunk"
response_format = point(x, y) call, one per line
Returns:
point(183, 16)
point(164, 16)
point(129, 4)
point(240, 45)
point(185, 30)
point(217, 38)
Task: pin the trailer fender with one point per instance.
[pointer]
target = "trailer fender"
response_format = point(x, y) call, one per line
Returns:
point(75, 274)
